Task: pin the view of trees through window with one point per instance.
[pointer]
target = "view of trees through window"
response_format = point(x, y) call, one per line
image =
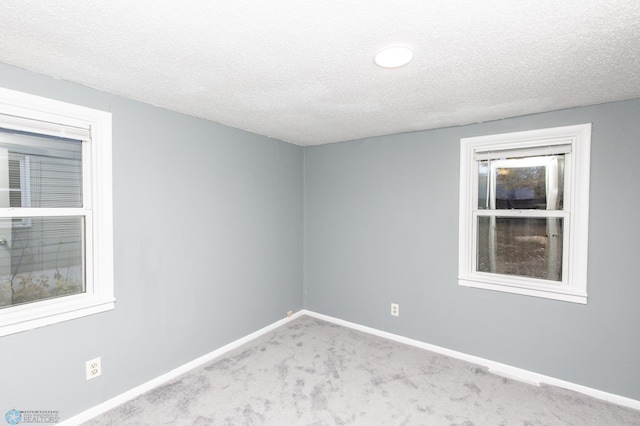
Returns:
point(529, 246)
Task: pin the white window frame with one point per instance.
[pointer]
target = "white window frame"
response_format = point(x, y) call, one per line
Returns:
point(25, 112)
point(576, 139)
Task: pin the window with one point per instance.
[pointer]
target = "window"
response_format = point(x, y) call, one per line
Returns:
point(56, 232)
point(524, 212)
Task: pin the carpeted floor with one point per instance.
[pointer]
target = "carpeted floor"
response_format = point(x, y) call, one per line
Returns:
point(310, 372)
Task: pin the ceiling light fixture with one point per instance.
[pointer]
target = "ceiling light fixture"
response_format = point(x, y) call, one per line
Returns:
point(393, 57)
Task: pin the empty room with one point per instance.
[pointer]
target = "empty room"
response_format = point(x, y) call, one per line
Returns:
point(319, 213)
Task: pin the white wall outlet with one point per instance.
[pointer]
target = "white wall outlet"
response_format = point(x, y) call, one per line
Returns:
point(94, 368)
point(395, 309)
point(289, 314)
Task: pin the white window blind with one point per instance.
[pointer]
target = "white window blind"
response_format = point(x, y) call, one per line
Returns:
point(43, 127)
point(538, 151)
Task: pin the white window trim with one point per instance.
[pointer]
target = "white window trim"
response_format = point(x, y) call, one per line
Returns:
point(576, 208)
point(22, 111)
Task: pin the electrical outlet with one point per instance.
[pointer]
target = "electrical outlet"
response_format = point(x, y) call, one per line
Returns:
point(395, 309)
point(289, 314)
point(94, 368)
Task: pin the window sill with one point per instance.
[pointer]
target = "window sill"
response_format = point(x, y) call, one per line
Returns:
point(35, 315)
point(506, 285)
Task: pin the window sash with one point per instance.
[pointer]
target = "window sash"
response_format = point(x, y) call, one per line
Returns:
point(521, 279)
point(522, 213)
point(47, 211)
point(504, 156)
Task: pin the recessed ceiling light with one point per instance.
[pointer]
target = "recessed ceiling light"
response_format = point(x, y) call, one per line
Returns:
point(393, 57)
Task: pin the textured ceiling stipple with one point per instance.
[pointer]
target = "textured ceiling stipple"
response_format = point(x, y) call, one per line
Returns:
point(303, 71)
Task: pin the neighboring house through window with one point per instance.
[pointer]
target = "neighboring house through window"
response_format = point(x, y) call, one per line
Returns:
point(56, 249)
point(18, 167)
point(524, 209)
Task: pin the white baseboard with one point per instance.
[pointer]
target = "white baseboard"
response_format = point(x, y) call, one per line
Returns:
point(494, 367)
point(139, 390)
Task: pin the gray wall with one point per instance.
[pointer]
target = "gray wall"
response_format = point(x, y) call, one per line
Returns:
point(208, 248)
point(381, 226)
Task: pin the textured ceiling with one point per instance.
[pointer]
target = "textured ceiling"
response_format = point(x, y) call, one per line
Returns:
point(303, 71)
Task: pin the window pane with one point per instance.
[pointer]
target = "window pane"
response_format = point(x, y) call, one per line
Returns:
point(529, 247)
point(41, 260)
point(39, 171)
point(522, 183)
